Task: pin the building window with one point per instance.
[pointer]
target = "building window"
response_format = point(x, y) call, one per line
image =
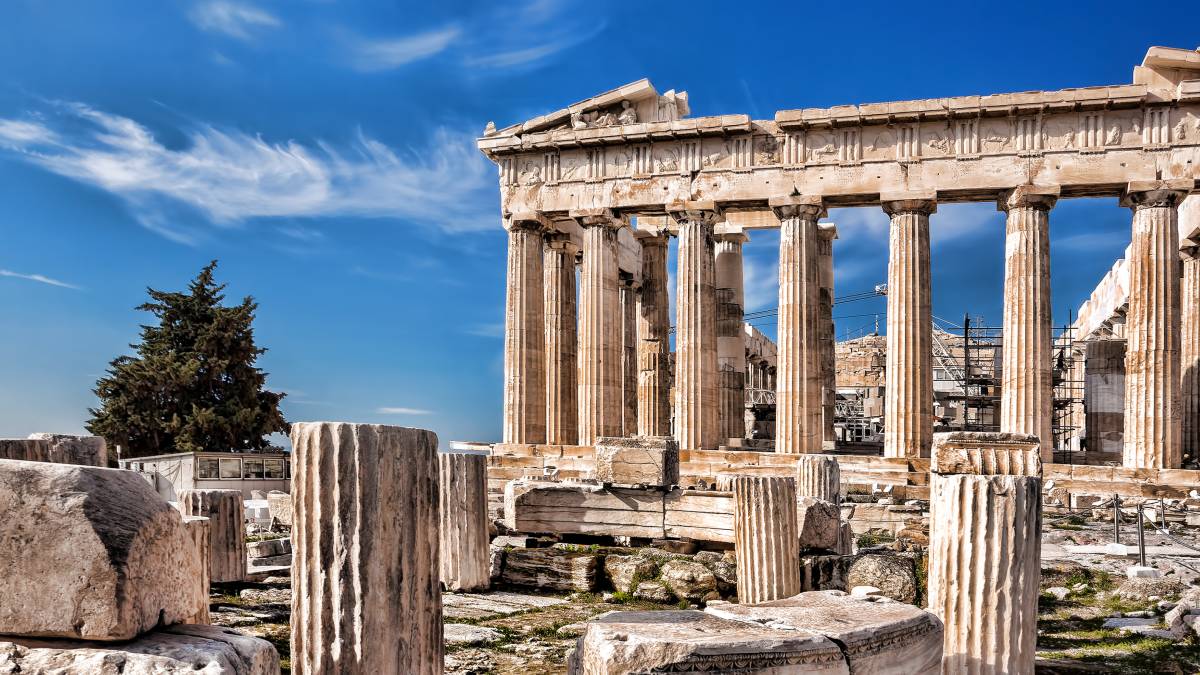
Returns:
point(231, 468)
point(206, 467)
point(253, 468)
point(274, 469)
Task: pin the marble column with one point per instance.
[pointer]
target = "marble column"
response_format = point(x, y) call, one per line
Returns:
point(1027, 387)
point(654, 345)
point(731, 338)
point(766, 538)
point(1104, 393)
point(463, 522)
point(819, 476)
point(696, 412)
point(366, 596)
point(226, 513)
point(1189, 347)
point(985, 553)
point(798, 407)
point(525, 333)
point(601, 371)
point(828, 357)
point(199, 534)
point(629, 363)
point(562, 342)
point(1152, 378)
point(908, 396)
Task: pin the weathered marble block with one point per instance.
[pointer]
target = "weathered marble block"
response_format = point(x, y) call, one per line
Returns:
point(56, 448)
point(226, 512)
point(643, 461)
point(552, 569)
point(198, 533)
point(365, 565)
point(90, 553)
point(463, 518)
point(279, 505)
point(175, 650)
point(876, 635)
point(562, 508)
point(692, 641)
point(819, 523)
point(986, 453)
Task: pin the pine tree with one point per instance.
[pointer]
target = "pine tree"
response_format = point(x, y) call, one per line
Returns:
point(193, 384)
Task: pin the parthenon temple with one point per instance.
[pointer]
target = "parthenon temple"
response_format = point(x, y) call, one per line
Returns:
point(605, 184)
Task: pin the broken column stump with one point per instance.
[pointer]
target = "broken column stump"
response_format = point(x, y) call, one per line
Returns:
point(819, 476)
point(766, 538)
point(226, 512)
point(985, 550)
point(463, 517)
point(90, 553)
point(365, 562)
point(198, 533)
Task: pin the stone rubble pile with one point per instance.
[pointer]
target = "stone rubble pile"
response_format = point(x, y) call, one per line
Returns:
point(102, 575)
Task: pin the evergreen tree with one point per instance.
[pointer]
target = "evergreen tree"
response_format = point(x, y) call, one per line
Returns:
point(193, 384)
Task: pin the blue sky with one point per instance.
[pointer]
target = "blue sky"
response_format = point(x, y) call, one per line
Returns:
point(322, 151)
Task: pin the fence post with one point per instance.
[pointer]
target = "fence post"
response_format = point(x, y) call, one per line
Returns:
point(1141, 536)
point(1117, 517)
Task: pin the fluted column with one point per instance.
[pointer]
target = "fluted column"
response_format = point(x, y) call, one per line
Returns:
point(985, 553)
point(731, 338)
point(696, 412)
point(827, 357)
point(366, 596)
point(1152, 379)
point(1189, 349)
point(798, 408)
point(819, 476)
point(766, 538)
point(600, 329)
point(1027, 388)
point(654, 346)
point(908, 396)
point(226, 513)
point(463, 521)
point(629, 364)
point(562, 341)
point(525, 334)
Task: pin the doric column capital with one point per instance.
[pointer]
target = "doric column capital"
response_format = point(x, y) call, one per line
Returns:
point(652, 239)
point(828, 231)
point(528, 220)
point(597, 218)
point(924, 203)
point(1156, 194)
point(798, 206)
point(706, 212)
point(737, 238)
point(1041, 197)
point(562, 242)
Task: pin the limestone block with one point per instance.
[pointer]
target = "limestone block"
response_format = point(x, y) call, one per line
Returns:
point(551, 569)
point(89, 553)
point(561, 508)
point(626, 571)
point(653, 591)
point(279, 505)
point(365, 569)
point(226, 512)
point(198, 534)
point(819, 523)
point(701, 515)
point(986, 453)
point(893, 575)
point(692, 641)
point(176, 650)
point(69, 449)
point(819, 476)
point(267, 548)
point(845, 539)
point(688, 580)
point(463, 520)
point(766, 538)
point(876, 635)
point(644, 461)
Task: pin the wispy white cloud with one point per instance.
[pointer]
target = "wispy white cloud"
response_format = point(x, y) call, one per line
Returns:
point(402, 411)
point(491, 330)
point(238, 20)
point(229, 176)
point(1092, 241)
point(39, 278)
point(389, 53)
point(760, 281)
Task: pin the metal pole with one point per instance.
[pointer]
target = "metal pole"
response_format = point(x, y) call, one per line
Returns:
point(1117, 518)
point(1141, 537)
point(1162, 510)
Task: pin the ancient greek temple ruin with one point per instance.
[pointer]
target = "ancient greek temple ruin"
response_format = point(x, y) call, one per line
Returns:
point(606, 184)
